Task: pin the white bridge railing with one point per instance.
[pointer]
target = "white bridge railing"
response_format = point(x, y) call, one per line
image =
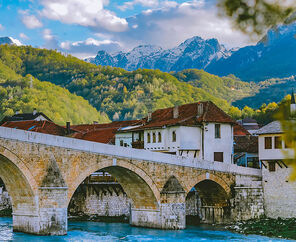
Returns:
point(118, 151)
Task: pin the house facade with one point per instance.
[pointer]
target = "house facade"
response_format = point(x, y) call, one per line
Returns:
point(198, 130)
point(277, 158)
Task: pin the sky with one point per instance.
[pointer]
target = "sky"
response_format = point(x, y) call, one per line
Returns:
point(83, 27)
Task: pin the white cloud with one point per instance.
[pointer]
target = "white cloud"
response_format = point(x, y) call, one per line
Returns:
point(89, 47)
point(144, 3)
point(51, 41)
point(169, 26)
point(31, 22)
point(47, 34)
point(1, 27)
point(24, 36)
point(89, 13)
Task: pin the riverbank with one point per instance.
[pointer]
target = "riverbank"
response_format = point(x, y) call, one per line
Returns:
point(280, 228)
point(96, 218)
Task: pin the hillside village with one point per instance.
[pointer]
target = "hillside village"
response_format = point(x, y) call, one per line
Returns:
point(200, 131)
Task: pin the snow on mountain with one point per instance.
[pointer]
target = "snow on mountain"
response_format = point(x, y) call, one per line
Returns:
point(10, 41)
point(192, 53)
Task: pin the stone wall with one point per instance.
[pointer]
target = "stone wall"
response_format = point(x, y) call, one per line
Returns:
point(279, 192)
point(105, 200)
point(248, 198)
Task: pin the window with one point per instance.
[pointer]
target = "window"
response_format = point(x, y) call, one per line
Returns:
point(125, 144)
point(271, 166)
point(277, 142)
point(121, 142)
point(159, 137)
point(267, 142)
point(218, 156)
point(154, 137)
point(217, 131)
point(174, 136)
point(148, 138)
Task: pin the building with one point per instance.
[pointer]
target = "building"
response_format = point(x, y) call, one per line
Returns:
point(199, 130)
point(44, 126)
point(245, 148)
point(249, 124)
point(37, 116)
point(276, 156)
point(104, 133)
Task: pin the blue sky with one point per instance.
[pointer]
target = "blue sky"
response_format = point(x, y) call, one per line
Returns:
point(82, 27)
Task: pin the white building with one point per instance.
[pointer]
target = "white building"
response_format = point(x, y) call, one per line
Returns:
point(199, 130)
point(276, 156)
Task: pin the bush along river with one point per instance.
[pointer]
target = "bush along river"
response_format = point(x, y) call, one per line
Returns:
point(100, 231)
point(281, 228)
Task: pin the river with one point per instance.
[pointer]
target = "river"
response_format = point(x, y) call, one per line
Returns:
point(97, 231)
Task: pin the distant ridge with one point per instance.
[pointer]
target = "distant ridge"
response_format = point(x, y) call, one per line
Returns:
point(272, 57)
point(192, 53)
point(10, 41)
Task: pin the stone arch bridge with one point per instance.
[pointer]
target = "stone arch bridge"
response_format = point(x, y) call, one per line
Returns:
point(41, 173)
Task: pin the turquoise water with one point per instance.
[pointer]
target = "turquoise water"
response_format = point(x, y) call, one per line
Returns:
point(96, 231)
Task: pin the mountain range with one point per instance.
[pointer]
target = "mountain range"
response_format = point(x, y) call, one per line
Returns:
point(9, 41)
point(272, 57)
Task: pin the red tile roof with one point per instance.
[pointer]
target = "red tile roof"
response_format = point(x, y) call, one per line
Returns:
point(106, 135)
point(102, 133)
point(239, 130)
point(114, 124)
point(187, 116)
point(46, 127)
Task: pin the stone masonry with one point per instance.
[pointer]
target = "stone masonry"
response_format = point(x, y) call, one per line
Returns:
point(41, 173)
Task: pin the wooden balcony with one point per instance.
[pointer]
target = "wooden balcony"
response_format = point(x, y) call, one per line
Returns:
point(138, 144)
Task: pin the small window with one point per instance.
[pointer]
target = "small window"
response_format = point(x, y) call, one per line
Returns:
point(217, 131)
point(271, 166)
point(174, 136)
point(121, 142)
point(148, 138)
point(154, 137)
point(159, 137)
point(218, 156)
point(268, 143)
point(125, 144)
point(278, 142)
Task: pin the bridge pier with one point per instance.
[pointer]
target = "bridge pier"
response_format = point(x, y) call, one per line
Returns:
point(49, 218)
point(171, 213)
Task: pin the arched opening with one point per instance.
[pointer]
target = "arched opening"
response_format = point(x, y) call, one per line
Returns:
point(5, 202)
point(21, 193)
point(110, 193)
point(207, 202)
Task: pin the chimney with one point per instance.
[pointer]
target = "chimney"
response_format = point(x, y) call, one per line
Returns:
point(149, 117)
point(199, 109)
point(68, 127)
point(293, 104)
point(176, 112)
point(34, 111)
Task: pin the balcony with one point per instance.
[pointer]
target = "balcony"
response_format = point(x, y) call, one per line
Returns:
point(138, 144)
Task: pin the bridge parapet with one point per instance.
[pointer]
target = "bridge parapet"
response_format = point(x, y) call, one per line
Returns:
point(123, 152)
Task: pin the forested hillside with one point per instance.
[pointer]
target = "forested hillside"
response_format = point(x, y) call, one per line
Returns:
point(229, 88)
point(122, 94)
point(119, 93)
point(24, 93)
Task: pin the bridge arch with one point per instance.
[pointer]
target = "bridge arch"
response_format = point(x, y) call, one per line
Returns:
point(22, 188)
point(208, 200)
point(208, 176)
point(136, 183)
